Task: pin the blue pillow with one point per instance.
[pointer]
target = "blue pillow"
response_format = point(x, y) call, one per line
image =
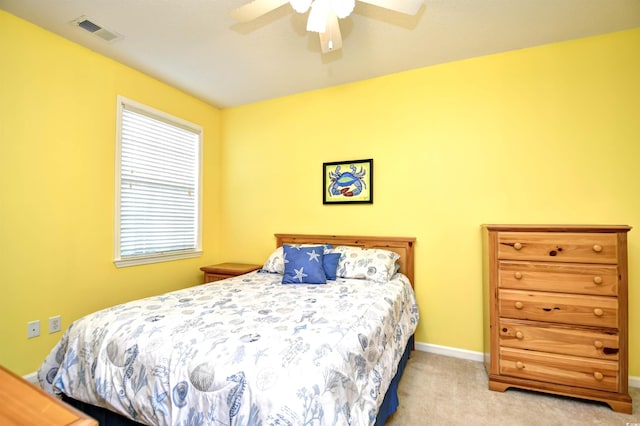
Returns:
point(330, 264)
point(303, 265)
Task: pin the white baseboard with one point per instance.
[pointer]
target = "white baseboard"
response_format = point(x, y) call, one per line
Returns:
point(634, 381)
point(449, 351)
point(32, 378)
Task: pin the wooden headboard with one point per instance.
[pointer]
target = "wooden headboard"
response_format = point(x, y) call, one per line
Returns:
point(401, 245)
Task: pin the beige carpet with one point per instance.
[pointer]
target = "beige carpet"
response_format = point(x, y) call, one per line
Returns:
point(438, 390)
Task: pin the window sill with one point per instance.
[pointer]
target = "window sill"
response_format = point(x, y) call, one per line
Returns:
point(156, 258)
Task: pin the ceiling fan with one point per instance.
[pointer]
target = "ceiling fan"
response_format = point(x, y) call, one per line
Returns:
point(324, 14)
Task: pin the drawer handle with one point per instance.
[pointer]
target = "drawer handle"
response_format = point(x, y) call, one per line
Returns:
point(518, 275)
point(598, 312)
point(597, 280)
point(598, 375)
point(519, 335)
point(519, 365)
point(598, 344)
point(597, 248)
point(517, 246)
point(518, 305)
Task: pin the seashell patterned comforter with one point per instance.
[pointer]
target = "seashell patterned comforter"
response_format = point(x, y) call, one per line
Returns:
point(244, 351)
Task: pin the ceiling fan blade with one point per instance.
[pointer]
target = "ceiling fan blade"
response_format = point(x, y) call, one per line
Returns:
point(331, 39)
point(255, 9)
point(410, 7)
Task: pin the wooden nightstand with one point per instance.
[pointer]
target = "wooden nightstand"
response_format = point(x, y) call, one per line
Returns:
point(27, 404)
point(221, 271)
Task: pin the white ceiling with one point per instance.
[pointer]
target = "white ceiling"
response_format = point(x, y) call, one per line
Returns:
point(195, 46)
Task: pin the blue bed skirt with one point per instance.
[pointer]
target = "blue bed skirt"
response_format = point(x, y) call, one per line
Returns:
point(391, 402)
point(388, 407)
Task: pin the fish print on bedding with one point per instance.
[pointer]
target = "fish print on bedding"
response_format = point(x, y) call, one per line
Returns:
point(242, 351)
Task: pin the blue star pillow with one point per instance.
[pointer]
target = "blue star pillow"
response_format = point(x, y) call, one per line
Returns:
point(303, 265)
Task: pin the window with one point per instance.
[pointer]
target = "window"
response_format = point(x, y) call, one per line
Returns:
point(158, 175)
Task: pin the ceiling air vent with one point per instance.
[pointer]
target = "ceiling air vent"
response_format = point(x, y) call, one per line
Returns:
point(96, 29)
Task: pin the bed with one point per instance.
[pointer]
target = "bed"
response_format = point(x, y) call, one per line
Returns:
point(257, 349)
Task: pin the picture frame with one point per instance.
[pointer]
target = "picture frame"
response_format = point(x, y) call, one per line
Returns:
point(347, 182)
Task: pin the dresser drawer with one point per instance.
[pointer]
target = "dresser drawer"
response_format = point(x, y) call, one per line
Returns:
point(558, 247)
point(559, 340)
point(561, 369)
point(559, 308)
point(559, 277)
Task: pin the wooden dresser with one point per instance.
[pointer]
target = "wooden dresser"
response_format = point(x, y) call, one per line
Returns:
point(26, 404)
point(555, 310)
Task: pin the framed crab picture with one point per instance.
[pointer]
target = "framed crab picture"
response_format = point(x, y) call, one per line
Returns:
point(347, 182)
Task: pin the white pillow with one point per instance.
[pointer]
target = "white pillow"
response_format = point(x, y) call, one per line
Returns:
point(363, 263)
point(275, 262)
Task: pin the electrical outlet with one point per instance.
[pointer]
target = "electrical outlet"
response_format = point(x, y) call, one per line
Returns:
point(55, 323)
point(33, 329)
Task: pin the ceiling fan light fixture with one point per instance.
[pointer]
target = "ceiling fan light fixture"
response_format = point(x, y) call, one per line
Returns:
point(317, 21)
point(300, 6)
point(343, 8)
point(323, 14)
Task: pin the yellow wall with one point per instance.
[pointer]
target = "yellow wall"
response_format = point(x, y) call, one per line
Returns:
point(57, 165)
point(542, 135)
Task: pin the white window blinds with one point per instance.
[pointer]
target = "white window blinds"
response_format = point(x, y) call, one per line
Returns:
point(158, 200)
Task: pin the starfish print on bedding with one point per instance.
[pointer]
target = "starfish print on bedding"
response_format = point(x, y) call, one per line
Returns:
point(156, 402)
point(314, 256)
point(300, 274)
